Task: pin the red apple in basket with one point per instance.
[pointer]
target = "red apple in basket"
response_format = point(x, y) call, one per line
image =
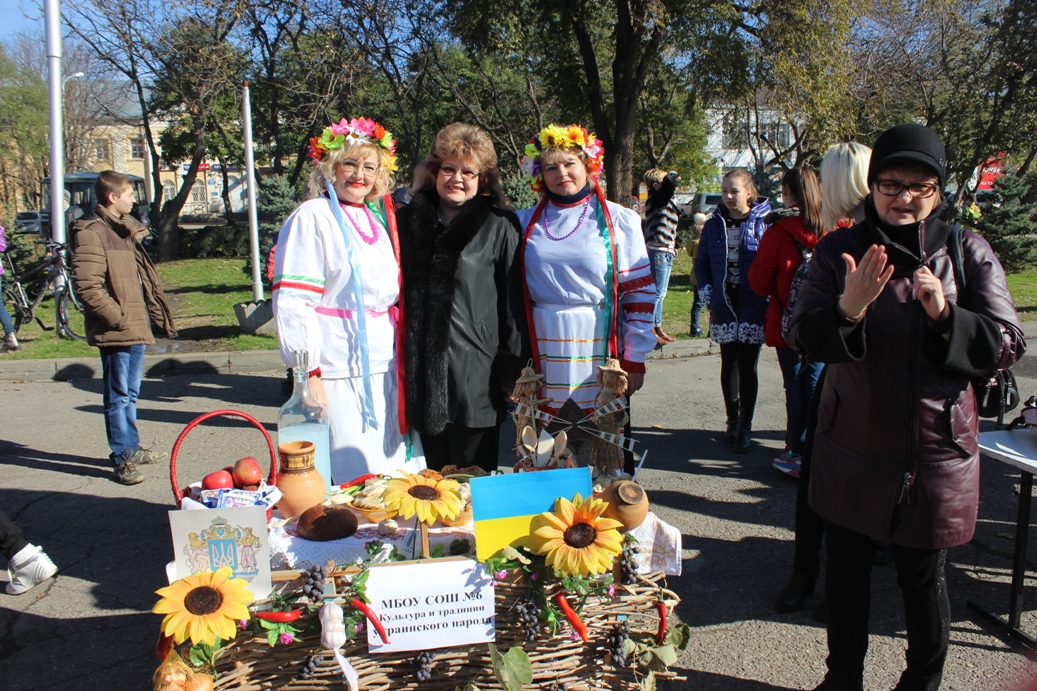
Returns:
point(219, 479)
point(247, 472)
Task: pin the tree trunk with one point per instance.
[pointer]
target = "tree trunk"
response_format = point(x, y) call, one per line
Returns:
point(169, 223)
point(228, 209)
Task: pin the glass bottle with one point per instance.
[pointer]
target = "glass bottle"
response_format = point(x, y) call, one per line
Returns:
point(303, 418)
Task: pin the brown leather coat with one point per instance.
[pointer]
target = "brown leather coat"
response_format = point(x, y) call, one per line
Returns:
point(896, 450)
point(116, 282)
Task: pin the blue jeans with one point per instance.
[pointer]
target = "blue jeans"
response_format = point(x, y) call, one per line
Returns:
point(122, 369)
point(5, 317)
point(800, 380)
point(696, 311)
point(662, 263)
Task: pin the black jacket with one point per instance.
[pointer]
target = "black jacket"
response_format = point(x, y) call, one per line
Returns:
point(465, 340)
point(896, 450)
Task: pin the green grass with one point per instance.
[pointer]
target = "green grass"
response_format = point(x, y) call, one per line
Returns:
point(201, 293)
point(1023, 287)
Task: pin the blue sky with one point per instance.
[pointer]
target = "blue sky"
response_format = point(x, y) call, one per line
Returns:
point(13, 20)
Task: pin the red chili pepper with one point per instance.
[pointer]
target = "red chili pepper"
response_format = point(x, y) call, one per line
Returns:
point(571, 616)
point(279, 617)
point(661, 635)
point(371, 617)
point(357, 481)
point(164, 645)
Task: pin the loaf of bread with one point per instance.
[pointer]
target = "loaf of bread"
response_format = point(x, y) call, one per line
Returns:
point(322, 523)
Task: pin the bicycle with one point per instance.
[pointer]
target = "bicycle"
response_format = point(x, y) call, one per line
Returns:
point(17, 288)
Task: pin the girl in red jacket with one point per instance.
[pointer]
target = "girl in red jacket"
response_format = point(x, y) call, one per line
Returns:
point(790, 239)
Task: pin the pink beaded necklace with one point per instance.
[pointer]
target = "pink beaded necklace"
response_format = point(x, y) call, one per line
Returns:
point(369, 239)
point(583, 216)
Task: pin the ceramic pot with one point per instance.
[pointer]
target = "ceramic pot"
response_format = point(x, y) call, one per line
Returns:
point(299, 481)
point(628, 504)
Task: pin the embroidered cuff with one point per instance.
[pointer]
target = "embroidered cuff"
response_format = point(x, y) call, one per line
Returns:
point(314, 373)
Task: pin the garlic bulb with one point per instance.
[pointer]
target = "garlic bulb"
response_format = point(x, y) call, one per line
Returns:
point(388, 527)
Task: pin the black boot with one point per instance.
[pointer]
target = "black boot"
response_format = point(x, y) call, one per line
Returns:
point(798, 589)
point(732, 421)
point(744, 429)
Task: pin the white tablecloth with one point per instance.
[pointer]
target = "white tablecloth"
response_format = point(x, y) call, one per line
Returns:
point(659, 545)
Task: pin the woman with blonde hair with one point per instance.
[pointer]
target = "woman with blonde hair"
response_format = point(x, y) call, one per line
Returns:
point(465, 344)
point(588, 284)
point(844, 184)
point(336, 296)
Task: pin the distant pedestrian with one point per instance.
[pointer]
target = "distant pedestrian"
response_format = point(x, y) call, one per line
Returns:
point(123, 303)
point(736, 313)
point(27, 565)
point(692, 248)
point(661, 217)
point(10, 343)
point(791, 235)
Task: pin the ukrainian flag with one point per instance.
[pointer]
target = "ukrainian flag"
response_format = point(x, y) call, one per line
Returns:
point(503, 506)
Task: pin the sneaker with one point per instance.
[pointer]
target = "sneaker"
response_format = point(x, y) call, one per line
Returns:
point(788, 463)
point(30, 567)
point(126, 473)
point(146, 457)
point(10, 344)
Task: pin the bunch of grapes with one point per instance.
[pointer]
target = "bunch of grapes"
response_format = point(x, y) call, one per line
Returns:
point(617, 643)
point(627, 565)
point(309, 667)
point(529, 615)
point(423, 665)
point(313, 586)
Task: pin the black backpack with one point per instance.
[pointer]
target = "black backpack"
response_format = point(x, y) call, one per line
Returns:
point(797, 282)
point(996, 393)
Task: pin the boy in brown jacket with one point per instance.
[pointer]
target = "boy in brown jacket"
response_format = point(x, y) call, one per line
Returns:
point(118, 287)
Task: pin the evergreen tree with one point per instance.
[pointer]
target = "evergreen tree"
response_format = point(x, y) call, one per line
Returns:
point(276, 202)
point(1010, 225)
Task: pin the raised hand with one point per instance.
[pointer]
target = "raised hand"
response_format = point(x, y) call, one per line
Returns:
point(929, 290)
point(864, 282)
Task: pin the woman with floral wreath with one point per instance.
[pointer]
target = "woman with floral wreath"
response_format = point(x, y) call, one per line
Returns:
point(336, 296)
point(587, 279)
point(465, 344)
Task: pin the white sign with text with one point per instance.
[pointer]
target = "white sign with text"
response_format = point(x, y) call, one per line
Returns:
point(439, 603)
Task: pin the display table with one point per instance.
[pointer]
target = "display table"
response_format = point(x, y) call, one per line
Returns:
point(659, 543)
point(1017, 448)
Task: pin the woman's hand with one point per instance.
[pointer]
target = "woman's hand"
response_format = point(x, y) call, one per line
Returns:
point(317, 389)
point(509, 393)
point(929, 289)
point(864, 283)
point(635, 380)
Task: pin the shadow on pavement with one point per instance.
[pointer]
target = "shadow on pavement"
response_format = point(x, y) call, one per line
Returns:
point(19, 455)
point(117, 547)
point(707, 681)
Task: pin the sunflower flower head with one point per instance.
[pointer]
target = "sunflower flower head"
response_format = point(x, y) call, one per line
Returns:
point(556, 137)
point(204, 606)
point(575, 539)
point(429, 498)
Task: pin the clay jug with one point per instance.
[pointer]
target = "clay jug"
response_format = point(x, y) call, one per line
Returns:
point(628, 503)
point(299, 481)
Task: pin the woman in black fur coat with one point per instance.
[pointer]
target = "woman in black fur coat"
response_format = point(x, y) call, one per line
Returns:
point(465, 339)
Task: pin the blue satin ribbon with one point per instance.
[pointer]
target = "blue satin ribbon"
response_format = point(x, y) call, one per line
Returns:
point(358, 298)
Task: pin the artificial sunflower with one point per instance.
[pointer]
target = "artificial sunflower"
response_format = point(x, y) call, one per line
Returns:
point(427, 497)
point(575, 538)
point(203, 606)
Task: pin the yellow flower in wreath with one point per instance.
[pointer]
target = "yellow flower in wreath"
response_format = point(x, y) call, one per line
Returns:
point(575, 538)
point(203, 606)
point(429, 498)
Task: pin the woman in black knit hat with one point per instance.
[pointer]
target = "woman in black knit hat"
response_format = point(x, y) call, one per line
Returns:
point(896, 450)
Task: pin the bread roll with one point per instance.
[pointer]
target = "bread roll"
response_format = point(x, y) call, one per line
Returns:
point(321, 523)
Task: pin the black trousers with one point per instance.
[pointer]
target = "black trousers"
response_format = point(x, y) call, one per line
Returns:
point(463, 446)
point(738, 378)
point(12, 540)
point(927, 610)
point(810, 528)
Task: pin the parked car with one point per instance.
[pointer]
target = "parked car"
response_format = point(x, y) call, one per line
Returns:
point(685, 202)
point(28, 222)
point(80, 187)
point(705, 202)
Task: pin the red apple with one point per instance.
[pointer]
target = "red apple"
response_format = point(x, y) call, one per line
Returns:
point(219, 479)
point(247, 472)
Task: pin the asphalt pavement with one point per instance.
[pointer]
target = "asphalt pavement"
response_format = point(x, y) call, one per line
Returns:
point(91, 626)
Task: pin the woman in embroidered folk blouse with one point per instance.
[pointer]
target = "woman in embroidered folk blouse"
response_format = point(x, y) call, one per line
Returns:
point(588, 283)
point(336, 292)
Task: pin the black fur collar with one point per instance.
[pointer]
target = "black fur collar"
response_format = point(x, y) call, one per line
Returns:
point(781, 214)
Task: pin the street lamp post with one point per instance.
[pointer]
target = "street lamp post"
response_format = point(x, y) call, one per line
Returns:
point(52, 15)
point(64, 81)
